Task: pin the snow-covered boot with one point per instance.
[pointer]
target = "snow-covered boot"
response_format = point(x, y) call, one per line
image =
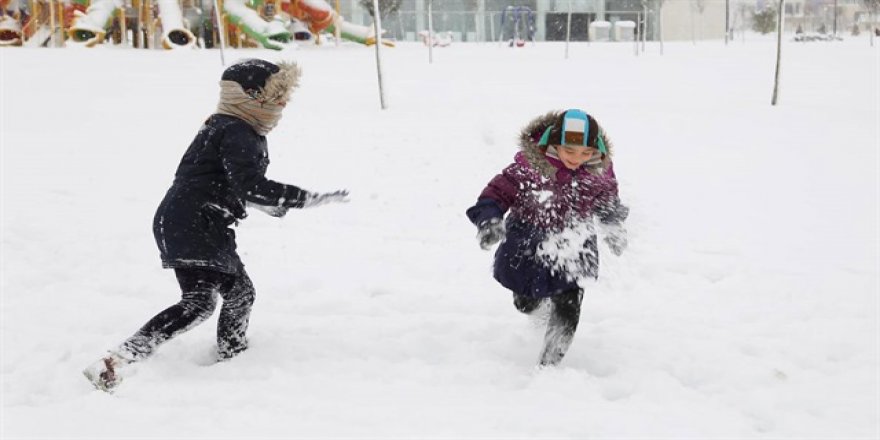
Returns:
point(104, 373)
point(556, 342)
point(563, 323)
point(226, 352)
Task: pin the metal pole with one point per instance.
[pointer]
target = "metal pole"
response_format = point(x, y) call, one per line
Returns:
point(644, 26)
point(568, 30)
point(693, 27)
point(835, 18)
point(726, 21)
point(377, 26)
point(492, 26)
point(501, 26)
point(660, 23)
point(220, 31)
point(873, 16)
point(779, 27)
point(430, 38)
point(638, 32)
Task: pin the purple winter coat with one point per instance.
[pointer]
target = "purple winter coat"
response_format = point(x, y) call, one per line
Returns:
point(550, 239)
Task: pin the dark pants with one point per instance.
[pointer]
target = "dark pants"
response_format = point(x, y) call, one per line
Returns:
point(564, 318)
point(199, 291)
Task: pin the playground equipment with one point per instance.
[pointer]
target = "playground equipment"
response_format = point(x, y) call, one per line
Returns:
point(299, 19)
point(35, 24)
point(269, 29)
point(313, 15)
point(357, 33)
point(317, 16)
point(519, 23)
point(10, 23)
point(441, 39)
point(91, 27)
point(174, 24)
point(175, 30)
point(10, 31)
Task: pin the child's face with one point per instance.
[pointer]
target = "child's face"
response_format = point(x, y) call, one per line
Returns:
point(574, 157)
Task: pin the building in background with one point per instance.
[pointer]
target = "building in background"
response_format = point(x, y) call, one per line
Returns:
point(673, 20)
point(819, 15)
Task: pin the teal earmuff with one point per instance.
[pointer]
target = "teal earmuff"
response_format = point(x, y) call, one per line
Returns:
point(545, 138)
point(601, 143)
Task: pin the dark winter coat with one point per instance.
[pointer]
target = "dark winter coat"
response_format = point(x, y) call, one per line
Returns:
point(550, 241)
point(223, 169)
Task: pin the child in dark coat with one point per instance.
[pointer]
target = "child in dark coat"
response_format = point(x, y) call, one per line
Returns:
point(561, 179)
point(222, 173)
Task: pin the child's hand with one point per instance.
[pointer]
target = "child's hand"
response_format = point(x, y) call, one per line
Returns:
point(615, 238)
point(318, 199)
point(491, 232)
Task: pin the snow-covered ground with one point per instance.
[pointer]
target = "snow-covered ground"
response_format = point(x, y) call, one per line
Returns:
point(746, 306)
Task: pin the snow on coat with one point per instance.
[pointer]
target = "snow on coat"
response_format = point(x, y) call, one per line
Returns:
point(223, 170)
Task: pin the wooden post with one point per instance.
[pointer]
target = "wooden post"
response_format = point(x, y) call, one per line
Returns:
point(337, 24)
point(122, 27)
point(138, 19)
point(54, 33)
point(60, 15)
point(142, 24)
point(154, 42)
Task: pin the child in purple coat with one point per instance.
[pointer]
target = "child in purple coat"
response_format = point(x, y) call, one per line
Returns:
point(559, 182)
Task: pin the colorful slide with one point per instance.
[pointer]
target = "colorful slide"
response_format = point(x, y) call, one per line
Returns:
point(319, 16)
point(91, 27)
point(88, 22)
point(175, 33)
point(10, 23)
point(358, 33)
point(10, 31)
point(271, 34)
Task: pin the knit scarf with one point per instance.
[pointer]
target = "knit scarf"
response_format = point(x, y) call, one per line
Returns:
point(262, 116)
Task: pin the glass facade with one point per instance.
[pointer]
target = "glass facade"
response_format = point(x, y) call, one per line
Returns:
point(494, 20)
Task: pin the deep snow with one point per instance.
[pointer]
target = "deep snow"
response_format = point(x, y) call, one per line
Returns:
point(746, 306)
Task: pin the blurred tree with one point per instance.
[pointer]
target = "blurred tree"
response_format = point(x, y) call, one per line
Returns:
point(874, 7)
point(386, 7)
point(764, 20)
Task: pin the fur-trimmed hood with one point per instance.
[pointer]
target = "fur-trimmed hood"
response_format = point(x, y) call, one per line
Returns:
point(282, 83)
point(536, 155)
